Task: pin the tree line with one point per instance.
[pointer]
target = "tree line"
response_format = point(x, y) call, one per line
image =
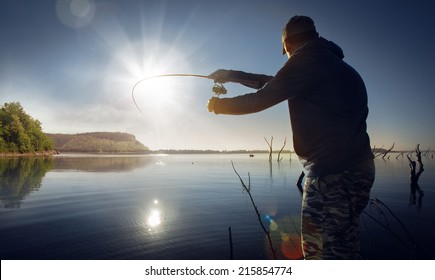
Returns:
point(20, 133)
point(98, 142)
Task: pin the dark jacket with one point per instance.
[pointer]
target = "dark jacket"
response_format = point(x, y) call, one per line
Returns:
point(327, 101)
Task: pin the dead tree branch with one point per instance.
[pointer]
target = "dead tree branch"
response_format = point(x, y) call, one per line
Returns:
point(420, 163)
point(427, 152)
point(270, 147)
point(416, 194)
point(247, 188)
point(377, 151)
point(401, 154)
point(378, 203)
point(280, 151)
point(230, 236)
point(387, 151)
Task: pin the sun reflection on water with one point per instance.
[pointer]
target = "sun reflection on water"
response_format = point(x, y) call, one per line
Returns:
point(153, 217)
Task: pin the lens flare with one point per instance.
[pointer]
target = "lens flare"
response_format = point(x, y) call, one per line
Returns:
point(80, 8)
point(75, 13)
point(285, 234)
point(291, 247)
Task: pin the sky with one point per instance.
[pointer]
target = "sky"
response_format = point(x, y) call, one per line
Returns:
point(72, 65)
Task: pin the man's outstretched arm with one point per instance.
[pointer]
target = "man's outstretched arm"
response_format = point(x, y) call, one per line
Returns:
point(256, 81)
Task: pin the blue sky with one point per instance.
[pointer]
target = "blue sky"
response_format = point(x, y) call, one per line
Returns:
point(72, 64)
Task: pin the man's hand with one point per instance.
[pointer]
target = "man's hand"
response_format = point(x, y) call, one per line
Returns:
point(211, 104)
point(221, 76)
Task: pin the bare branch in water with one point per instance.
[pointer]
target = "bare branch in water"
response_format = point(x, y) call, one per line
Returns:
point(270, 147)
point(387, 151)
point(401, 154)
point(230, 236)
point(377, 151)
point(280, 151)
point(416, 194)
point(411, 239)
point(247, 188)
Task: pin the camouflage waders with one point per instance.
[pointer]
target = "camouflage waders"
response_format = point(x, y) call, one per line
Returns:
point(331, 206)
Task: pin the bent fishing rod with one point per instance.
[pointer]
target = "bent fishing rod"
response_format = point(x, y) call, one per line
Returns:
point(217, 89)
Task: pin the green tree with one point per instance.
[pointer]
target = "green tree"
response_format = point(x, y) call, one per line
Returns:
point(19, 132)
point(3, 145)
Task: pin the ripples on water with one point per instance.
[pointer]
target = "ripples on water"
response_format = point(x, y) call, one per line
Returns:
point(181, 206)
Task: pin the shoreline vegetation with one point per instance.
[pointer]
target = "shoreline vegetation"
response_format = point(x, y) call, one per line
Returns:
point(97, 142)
point(20, 133)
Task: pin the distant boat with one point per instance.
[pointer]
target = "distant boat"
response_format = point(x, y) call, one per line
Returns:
point(251, 155)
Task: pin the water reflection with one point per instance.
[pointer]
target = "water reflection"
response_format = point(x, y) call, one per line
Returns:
point(154, 217)
point(21, 176)
point(416, 194)
point(101, 163)
point(285, 233)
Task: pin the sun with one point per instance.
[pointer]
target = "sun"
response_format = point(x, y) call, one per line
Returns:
point(137, 67)
point(155, 92)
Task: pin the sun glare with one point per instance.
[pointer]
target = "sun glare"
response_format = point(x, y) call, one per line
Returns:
point(143, 61)
point(137, 52)
point(154, 219)
point(155, 93)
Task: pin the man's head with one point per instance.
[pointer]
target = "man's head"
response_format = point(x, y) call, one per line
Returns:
point(298, 30)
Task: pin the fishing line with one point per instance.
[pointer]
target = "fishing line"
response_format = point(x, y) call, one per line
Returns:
point(218, 88)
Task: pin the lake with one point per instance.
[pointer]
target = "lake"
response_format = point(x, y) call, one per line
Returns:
point(184, 206)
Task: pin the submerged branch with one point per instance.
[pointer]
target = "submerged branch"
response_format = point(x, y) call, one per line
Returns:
point(280, 151)
point(378, 202)
point(377, 151)
point(387, 151)
point(416, 195)
point(427, 152)
point(247, 188)
point(270, 147)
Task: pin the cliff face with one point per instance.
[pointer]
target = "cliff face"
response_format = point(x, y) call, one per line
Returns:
point(97, 142)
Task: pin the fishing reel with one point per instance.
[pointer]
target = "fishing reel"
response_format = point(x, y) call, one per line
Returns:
point(218, 89)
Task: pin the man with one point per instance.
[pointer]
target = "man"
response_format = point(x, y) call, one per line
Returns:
point(327, 101)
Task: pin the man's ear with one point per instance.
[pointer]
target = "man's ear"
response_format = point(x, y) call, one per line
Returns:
point(288, 47)
point(285, 47)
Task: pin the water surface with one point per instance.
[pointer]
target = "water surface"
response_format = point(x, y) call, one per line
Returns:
point(182, 206)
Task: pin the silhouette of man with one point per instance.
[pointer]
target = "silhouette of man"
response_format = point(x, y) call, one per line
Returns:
point(327, 101)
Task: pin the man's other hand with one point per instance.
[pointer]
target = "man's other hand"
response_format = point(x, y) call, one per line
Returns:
point(211, 104)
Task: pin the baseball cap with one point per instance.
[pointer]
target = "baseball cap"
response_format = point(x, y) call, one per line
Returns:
point(297, 25)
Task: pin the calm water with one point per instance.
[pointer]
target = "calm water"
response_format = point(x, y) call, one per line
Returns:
point(181, 207)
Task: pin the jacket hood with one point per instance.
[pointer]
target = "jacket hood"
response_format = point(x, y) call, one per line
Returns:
point(322, 43)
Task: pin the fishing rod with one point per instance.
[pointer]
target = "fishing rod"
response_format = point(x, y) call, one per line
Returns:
point(217, 89)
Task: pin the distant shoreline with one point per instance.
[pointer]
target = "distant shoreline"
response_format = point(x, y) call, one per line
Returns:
point(172, 152)
point(150, 152)
point(34, 154)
